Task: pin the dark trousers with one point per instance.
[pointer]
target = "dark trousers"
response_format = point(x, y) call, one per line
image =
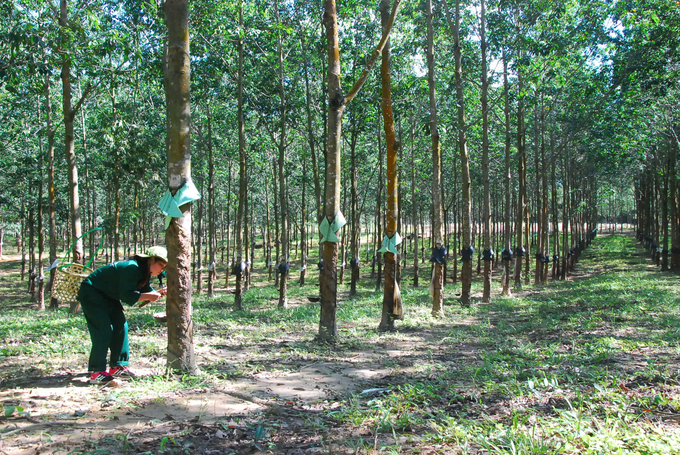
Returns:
point(108, 328)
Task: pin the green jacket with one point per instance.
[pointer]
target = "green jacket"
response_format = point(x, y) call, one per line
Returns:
point(118, 281)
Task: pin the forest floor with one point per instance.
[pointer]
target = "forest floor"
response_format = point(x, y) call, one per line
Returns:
point(590, 365)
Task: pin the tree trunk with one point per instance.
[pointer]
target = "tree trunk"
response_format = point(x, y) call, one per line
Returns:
point(328, 331)
point(199, 243)
point(269, 261)
point(116, 176)
point(414, 203)
point(537, 194)
point(212, 225)
point(379, 212)
point(545, 240)
point(507, 252)
point(250, 240)
point(343, 242)
point(31, 241)
point(555, 222)
point(178, 235)
point(664, 216)
point(54, 303)
point(23, 239)
point(239, 264)
point(565, 214)
point(675, 245)
point(392, 305)
point(439, 250)
point(227, 247)
point(488, 253)
point(69, 141)
point(522, 177)
point(303, 224)
point(277, 226)
point(89, 204)
point(312, 148)
point(466, 212)
point(246, 238)
point(40, 296)
point(354, 264)
point(284, 263)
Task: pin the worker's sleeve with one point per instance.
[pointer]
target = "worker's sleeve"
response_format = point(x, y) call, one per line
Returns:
point(128, 276)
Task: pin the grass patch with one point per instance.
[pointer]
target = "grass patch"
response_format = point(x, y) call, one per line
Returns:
point(587, 366)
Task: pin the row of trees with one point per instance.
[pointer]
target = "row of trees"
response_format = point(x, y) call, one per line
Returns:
point(504, 125)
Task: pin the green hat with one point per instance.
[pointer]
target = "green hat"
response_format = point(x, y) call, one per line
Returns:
point(156, 252)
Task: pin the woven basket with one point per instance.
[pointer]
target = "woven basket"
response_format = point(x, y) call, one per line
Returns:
point(67, 281)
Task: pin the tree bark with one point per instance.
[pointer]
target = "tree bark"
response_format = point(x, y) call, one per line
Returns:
point(178, 235)
point(40, 296)
point(664, 215)
point(522, 177)
point(212, 225)
point(238, 269)
point(199, 242)
point(392, 305)
point(284, 263)
point(303, 224)
point(379, 233)
point(466, 211)
point(52, 205)
point(354, 249)
point(545, 239)
point(414, 203)
point(488, 252)
point(328, 331)
point(277, 226)
point(675, 246)
point(507, 253)
point(437, 284)
point(565, 215)
point(69, 141)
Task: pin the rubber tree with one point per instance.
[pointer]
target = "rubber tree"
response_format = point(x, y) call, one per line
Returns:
point(178, 141)
point(51, 207)
point(212, 224)
point(392, 306)
point(239, 264)
point(281, 145)
point(439, 250)
point(40, 297)
point(466, 205)
point(414, 204)
point(507, 251)
point(337, 101)
point(354, 204)
point(488, 251)
point(69, 138)
point(521, 175)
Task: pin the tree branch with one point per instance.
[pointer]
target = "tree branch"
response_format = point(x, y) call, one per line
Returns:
point(376, 53)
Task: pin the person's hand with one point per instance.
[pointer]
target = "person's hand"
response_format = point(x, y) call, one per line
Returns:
point(150, 296)
point(163, 292)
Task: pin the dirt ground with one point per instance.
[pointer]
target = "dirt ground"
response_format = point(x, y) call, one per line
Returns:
point(68, 415)
point(280, 405)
